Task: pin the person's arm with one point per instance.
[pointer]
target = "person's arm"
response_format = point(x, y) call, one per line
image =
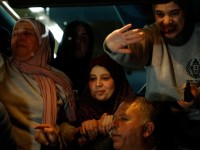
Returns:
point(67, 133)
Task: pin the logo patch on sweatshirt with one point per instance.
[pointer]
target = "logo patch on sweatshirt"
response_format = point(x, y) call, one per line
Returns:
point(193, 68)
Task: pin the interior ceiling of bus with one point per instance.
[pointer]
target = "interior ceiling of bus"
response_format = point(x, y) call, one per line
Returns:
point(90, 11)
point(60, 3)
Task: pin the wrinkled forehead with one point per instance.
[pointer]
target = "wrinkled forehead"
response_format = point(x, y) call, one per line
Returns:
point(122, 109)
point(28, 24)
point(23, 25)
point(128, 108)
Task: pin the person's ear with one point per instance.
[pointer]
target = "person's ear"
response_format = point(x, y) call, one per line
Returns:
point(148, 129)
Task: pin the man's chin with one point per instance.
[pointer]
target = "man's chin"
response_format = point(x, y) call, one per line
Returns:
point(117, 143)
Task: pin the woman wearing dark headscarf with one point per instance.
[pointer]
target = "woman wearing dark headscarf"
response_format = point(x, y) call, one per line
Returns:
point(75, 53)
point(32, 91)
point(106, 86)
point(122, 88)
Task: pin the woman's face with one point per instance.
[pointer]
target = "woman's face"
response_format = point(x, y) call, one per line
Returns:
point(82, 42)
point(24, 42)
point(170, 18)
point(101, 83)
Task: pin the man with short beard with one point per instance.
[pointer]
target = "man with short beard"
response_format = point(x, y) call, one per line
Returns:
point(137, 125)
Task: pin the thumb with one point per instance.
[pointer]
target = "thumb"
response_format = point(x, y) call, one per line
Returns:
point(104, 114)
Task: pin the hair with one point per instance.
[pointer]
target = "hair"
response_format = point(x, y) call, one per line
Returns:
point(92, 108)
point(185, 5)
point(70, 31)
point(66, 61)
point(116, 70)
point(147, 108)
point(154, 111)
point(183, 37)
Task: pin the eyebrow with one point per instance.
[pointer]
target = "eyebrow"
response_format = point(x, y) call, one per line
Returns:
point(24, 28)
point(177, 9)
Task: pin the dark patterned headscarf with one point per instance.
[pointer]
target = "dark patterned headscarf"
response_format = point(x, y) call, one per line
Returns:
point(88, 107)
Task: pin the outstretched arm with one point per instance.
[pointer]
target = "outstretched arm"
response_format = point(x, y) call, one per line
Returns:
point(118, 40)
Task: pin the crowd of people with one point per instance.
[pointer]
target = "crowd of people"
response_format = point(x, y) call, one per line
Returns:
point(168, 49)
point(77, 101)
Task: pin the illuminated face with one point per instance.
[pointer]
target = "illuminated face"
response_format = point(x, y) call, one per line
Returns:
point(127, 129)
point(82, 42)
point(170, 19)
point(24, 42)
point(101, 83)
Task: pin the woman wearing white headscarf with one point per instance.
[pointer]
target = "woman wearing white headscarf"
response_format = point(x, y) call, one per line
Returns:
point(32, 91)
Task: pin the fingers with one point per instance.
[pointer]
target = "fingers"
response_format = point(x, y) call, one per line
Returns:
point(133, 36)
point(46, 134)
point(118, 40)
point(194, 91)
point(104, 124)
point(41, 138)
point(102, 116)
point(185, 104)
point(125, 28)
point(89, 127)
point(107, 122)
point(47, 128)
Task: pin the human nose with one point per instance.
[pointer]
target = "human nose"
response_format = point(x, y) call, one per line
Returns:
point(115, 122)
point(98, 82)
point(20, 36)
point(113, 128)
point(167, 19)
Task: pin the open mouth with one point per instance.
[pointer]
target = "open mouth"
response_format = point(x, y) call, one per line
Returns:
point(168, 29)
